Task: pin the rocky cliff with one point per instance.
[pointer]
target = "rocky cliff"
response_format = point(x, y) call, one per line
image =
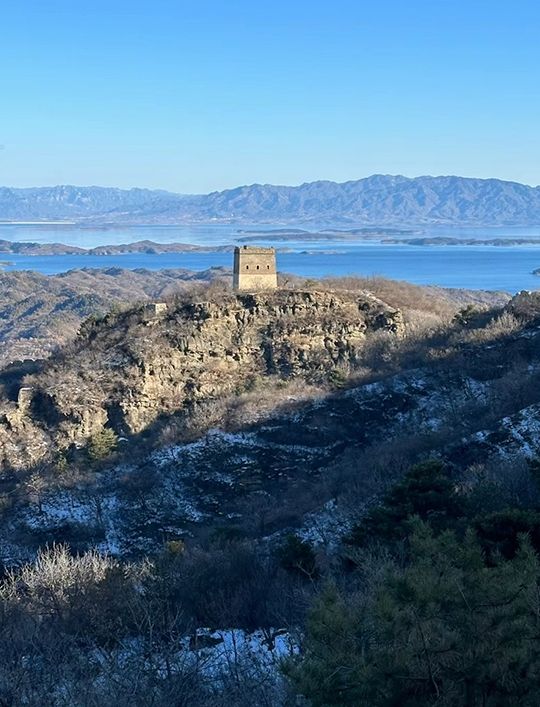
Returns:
point(167, 378)
point(127, 370)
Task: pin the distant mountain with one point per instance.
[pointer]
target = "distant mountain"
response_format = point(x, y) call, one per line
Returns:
point(380, 199)
point(79, 203)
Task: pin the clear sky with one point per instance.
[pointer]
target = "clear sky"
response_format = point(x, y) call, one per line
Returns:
point(203, 95)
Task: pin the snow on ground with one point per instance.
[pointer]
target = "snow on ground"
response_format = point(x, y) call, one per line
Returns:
point(223, 441)
point(58, 507)
point(516, 436)
point(325, 527)
point(433, 403)
point(193, 481)
point(258, 649)
point(524, 431)
point(212, 653)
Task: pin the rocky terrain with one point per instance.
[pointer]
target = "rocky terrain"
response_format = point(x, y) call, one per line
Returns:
point(40, 312)
point(186, 484)
point(256, 412)
point(129, 368)
point(379, 199)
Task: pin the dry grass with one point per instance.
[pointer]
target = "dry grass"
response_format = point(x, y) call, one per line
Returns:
point(399, 294)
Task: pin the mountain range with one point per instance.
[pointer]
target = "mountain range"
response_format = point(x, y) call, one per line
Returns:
point(379, 199)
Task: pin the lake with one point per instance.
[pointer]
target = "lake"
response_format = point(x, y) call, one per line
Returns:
point(468, 266)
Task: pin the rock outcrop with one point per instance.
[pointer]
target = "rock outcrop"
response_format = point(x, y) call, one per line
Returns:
point(125, 371)
point(525, 305)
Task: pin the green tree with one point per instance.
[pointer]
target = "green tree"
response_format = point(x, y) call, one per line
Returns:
point(102, 444)
point(61, 465)
point(337, 378)
point(499, 532)
point(427, 491)
point(466, 315)
point(297, 556)
point(447, 630)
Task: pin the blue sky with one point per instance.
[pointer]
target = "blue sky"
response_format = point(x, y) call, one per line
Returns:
point(197, 96)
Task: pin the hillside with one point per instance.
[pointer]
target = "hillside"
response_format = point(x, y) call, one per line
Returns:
point(131, 368)
point(191, 494)
point(40, 312)
point(232, 394)
point(379, 199)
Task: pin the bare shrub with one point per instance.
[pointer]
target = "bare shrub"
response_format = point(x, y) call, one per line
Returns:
point(399, 294)
point(50, 582)
point(500, 326)
point(212, 291)
point(231, 585)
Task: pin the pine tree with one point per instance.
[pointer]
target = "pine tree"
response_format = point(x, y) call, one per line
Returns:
point(447, 630)
point(102, 444)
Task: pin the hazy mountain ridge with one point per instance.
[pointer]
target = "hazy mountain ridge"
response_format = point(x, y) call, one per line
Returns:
point(377, 199)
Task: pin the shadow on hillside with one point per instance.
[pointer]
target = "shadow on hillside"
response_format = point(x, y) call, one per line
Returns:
point(263, 476)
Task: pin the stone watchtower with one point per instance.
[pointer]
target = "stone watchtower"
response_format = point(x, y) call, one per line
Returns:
point(254, 268)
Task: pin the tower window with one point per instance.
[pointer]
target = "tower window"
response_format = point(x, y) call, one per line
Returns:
point(257, 267)
point(268, 267)
point(247, 267)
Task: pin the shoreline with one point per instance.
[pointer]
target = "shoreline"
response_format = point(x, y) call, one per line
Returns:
point(147, 247)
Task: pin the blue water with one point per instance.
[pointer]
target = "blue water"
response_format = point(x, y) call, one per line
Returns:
point(475, 267)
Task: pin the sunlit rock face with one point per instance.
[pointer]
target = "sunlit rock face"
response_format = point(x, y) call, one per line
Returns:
point(127, 370)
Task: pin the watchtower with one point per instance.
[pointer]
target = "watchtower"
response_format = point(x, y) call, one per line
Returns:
point(254, 268)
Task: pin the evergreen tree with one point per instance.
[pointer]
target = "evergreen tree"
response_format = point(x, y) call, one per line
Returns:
point(102, 444)
point(447, 630)
point(427, 491)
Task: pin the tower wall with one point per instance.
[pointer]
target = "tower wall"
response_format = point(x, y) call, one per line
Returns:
point(254, 268)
